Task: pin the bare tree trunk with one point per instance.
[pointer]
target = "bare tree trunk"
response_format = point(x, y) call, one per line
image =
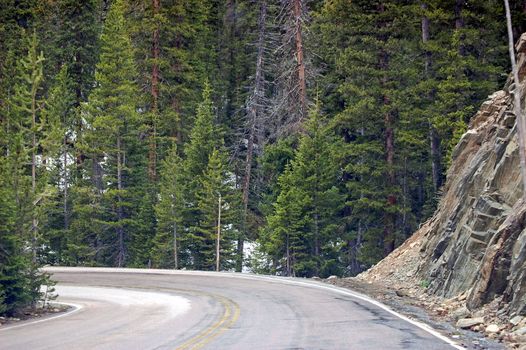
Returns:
point(434, 140)
point(218, 243)
point(152, 151)
point(316, 220)
point(253, 125)
point(245, 198)
point(517, 91)
point(34, 220)
point(176, 255)
point(120, 213)
point(290, 104)
point(66, 184)
point(302, 85)
point(174, 234)
point(288, 262)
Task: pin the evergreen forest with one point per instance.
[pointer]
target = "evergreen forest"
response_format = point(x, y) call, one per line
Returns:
point(293, 137)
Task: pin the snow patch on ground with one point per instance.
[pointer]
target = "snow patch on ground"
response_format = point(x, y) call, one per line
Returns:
point(173, 305)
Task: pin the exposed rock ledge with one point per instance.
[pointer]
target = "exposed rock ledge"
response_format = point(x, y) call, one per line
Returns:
point(475, 244)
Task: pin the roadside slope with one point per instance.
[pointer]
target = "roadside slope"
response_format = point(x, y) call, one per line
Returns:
point(474, 247)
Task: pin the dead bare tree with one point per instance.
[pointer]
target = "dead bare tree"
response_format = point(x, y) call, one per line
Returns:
point(218, 238)
point(517, 92)
point(291, 103)
point(255, 111)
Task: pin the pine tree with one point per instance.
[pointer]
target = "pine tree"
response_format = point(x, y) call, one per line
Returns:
point(185, 49)
point(15, 205)
point(169, 212)
point(114, 124)
point(215, 191)
point(13, 263)
point(25, 117)
point(155, 81)
point(146, 21)
point(20, 280)
point(28, 137)
point(242, 29)
point(69, 32)
point(60, 115)
point(302, 230)
point(469, 68)
point(282, 237)
point(34, 139)
point(358, 120)
point(366, 50)
point(205, 136)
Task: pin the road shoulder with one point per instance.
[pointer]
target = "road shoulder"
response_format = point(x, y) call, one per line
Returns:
point(418, 306)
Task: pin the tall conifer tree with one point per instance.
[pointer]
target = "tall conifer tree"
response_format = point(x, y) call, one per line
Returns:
point(169, 213)
point(216, 190)
point(303, 228)
point(23, 167)
point(114, 124)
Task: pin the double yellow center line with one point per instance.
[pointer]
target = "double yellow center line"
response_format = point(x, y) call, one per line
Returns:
point(229, 317)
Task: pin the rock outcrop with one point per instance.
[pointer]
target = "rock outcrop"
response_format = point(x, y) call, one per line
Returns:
point(475, 244)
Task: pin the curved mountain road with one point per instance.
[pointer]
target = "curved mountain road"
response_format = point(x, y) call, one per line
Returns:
point(160, 309)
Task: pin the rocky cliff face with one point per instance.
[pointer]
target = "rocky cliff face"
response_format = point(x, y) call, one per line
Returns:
point(475, 244)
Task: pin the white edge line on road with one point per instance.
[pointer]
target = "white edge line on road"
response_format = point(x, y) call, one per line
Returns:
point(275, 279)
point(76, 308)
point(418, 324)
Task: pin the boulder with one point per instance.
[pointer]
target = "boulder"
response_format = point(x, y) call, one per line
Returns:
point(469, 322)
point(461, 312)
point(492, 328)
point(402, 293)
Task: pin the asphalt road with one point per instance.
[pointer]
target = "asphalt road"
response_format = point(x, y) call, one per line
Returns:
point(153, 309)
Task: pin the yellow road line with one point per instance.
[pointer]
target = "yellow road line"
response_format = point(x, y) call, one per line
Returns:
point(229, 317)
point(227, 325)
point(203, 335)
